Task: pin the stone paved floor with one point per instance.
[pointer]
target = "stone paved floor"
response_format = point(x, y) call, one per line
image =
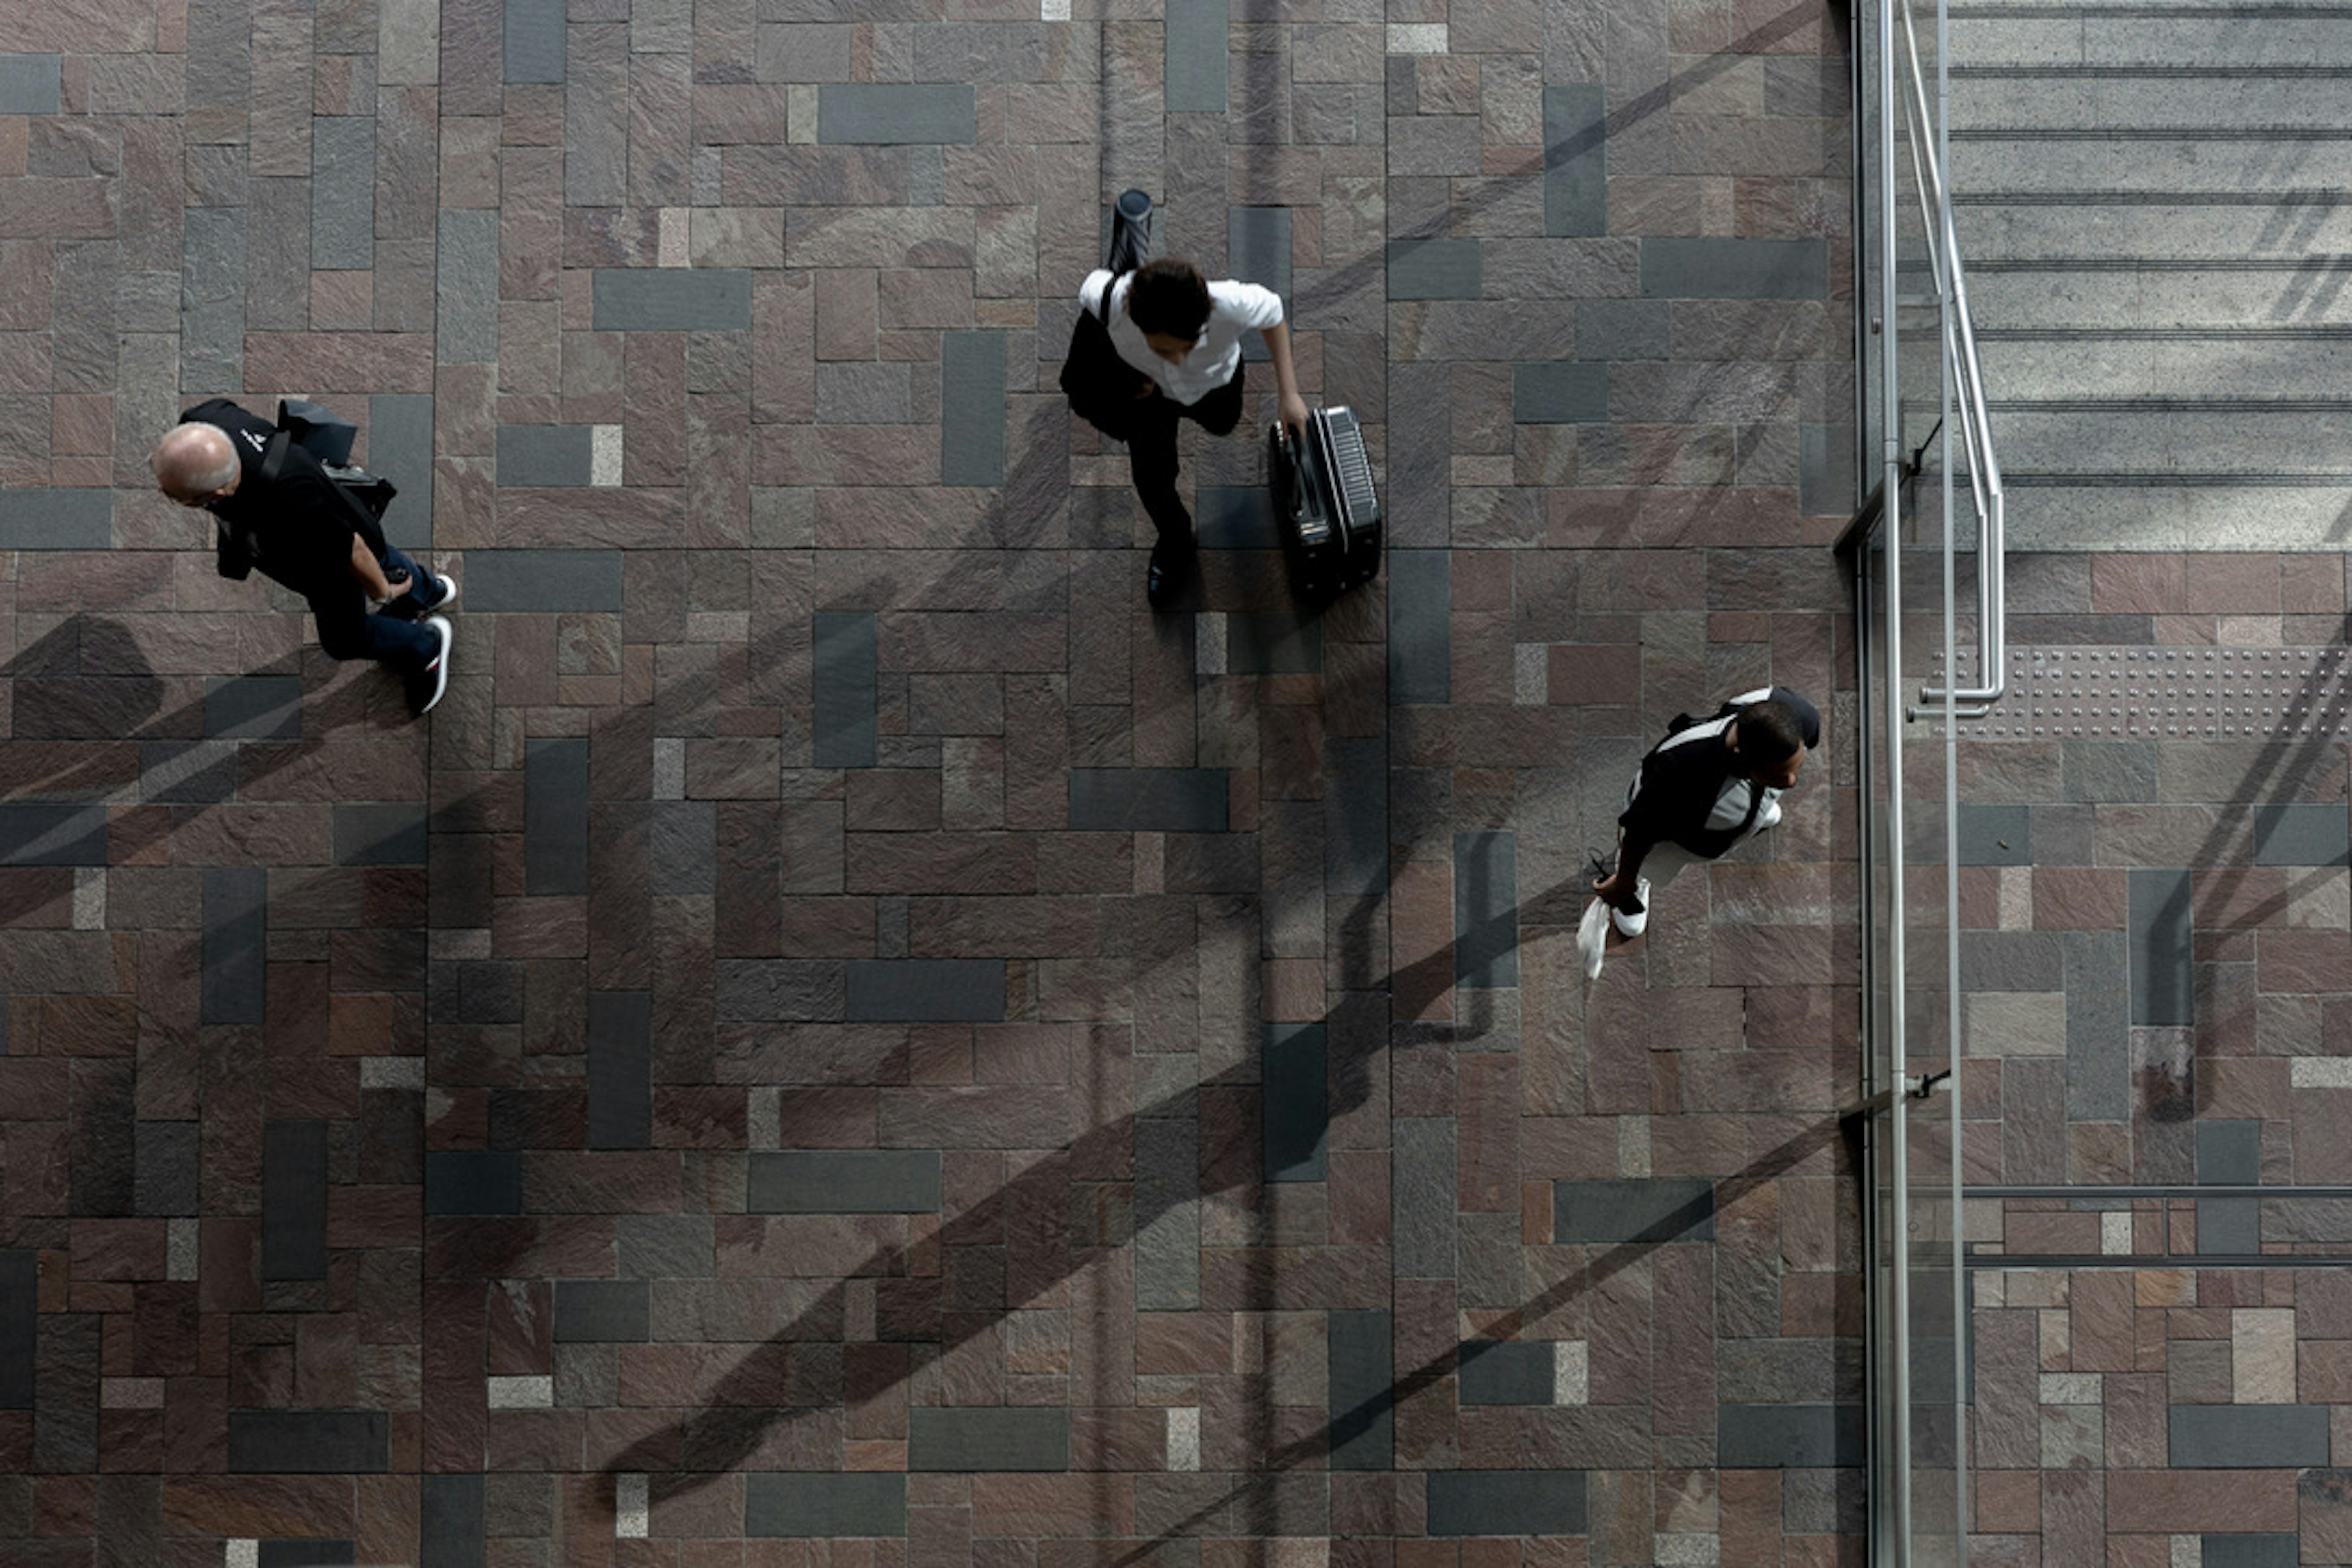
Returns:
point(845, 1039)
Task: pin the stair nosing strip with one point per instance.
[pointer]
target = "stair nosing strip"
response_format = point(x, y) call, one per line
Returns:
point(2301, 197)
point(1984, 265)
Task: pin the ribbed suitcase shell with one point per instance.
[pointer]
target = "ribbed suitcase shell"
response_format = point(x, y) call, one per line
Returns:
point(1326, 505)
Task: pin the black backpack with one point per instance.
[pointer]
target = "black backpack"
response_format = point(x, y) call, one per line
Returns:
point(327, 437)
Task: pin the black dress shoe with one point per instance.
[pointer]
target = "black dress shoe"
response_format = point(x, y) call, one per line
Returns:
point(1165, 577)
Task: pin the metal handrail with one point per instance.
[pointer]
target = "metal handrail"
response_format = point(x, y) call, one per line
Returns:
point(1959, 346)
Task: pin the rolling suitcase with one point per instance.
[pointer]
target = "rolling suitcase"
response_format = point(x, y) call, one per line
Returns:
point(1325, 505)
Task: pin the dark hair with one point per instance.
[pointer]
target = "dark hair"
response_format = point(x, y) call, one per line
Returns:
point(1768, 732)
point(1170, 297)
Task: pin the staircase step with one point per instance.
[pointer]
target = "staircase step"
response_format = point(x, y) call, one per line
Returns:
point(2133, 292)
point(2179, 165)
point(2272, 225)
point(2204, 441)
point(2150, 35)
point(2093, 363)
point(2034, 99)
point(2131, 511)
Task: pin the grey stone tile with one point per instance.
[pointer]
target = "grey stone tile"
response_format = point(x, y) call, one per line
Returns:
point(1296, 1102)
point(971, 408)
point(988, 1438)
point(1433, 269)
point(236, 969)
point(1420, 631)
point(555, 815)
point(20, 1306)
point(1665, 1208)
point(1559, 393)
point(451, 1522)
point(1234, 517)
point(665, 1245)
point(534, 40)
point(187, 773)
point(936, 113)
point(1197, 57)
point(1486, 908)
point(2230, 1153)
point(1996, 835)
point(166, 1178)
point(315, 1553)
point(1360, 1375)
point(2012, 961)
point(1421, 464)
point(1576, 155)
point(342, 191)
point(2163, 978)
point(542, 581)
point(620, 1070)
point(672, 300)
point(1420, 1197)
point(819, 1506)
point(1356, 817)
point(1789, 1436)
point(545, 456)
point(1696, 268)
point(1825, 469)
point(1272, 642)
point(57, 518)
point(2108, 772)
point(854, 393)
point(400, 448)
point(212, 302)
point(780, 991)
point(473, 1182)
point(1167, 1214)
point(308, 1442)
point(29, 84)
point(2284, 1550)
point(294, 1200)
point(1149, 800)
point(603, 1311)
point(1507, 1502)
point(1257, 250)
point(1506, 1372)
point(2098, 1033)
point(847, 1181)
point(370, 834)
point(254, 707)
point(924, 990)
point(843, 731)
point(51, 833)
point(1623, 328)
point(685, 846)
point(2246, 1436)
point(465, 288)
point(2301, 834)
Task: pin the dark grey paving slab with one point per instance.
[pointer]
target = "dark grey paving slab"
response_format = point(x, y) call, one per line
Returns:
point(473, 1182)
point(782, 990)
point(2163, 979)
point(555, 815)
point(2229, 1154)
point(924, 990)
point(294, 1200)
point(1420, 631)
point(545, 456)
point(2302, 835)
point(2108, 772)
point(971, 408)
point(534, 40)
point(51, 833)
point(1788, 1437)
point(620, 1070)
point(212, 307)
point(1507, 1502)
point(57, 519)
point(815, 1506)
point(2098, 1030)
point(1576, 154)
point(2280, 1551)
point(381, 833)
point(1420, 1197)
point(988, 1438)
point(1434, 270)
point(1195, 44)
point(465, 287)
point(400, 448)
point(2246, 1436)
point(1486, 908)
point(1506, 1372)
point(1234, 517)
point(842, 731)
point(305, 1553)
point(1149, 800)
point(1623, 328)
point(931, 113)
point(254, 707)
point(235, 979)
point(603, 1311)
point(1995, 836)
point(187, 773)
point(2012, 961)
point(1825, 471)
point(1257, 250)
point(1272, 642)
point(1663, 1208)
point(342, 191)
point(1167, 1214)
point(542, 581)
point(672, 300)
point(29, 84)
point(308, 1442)
point(1360, 1367)
point(685, 850)
point(1559, 393)
point(843, 1181)
point(1295, 1099)
point(165, 1180)
point(1356, 817)
point(20, 1306)
point(1694, 269)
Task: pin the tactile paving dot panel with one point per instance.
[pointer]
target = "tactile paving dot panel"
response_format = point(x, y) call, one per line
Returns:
point(2167, 693)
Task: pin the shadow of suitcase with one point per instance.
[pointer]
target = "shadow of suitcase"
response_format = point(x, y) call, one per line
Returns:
point(1325, 505)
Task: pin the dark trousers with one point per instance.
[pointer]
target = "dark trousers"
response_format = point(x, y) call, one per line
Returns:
point(1152, 447)
point(347, 630)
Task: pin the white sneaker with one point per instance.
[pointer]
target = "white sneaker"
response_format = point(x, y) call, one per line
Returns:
point(1771, 812)
point(1630, 926)
point(1591, 935)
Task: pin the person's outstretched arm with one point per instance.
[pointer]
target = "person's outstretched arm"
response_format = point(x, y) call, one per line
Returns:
point(1290, 407)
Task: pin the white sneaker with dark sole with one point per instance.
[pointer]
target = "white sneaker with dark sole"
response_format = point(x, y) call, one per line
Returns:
point(426, 686)
point(1630, 926)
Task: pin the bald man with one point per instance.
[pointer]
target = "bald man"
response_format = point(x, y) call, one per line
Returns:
point(277, 509)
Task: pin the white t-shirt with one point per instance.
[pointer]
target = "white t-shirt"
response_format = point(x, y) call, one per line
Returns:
point(1233, 308)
